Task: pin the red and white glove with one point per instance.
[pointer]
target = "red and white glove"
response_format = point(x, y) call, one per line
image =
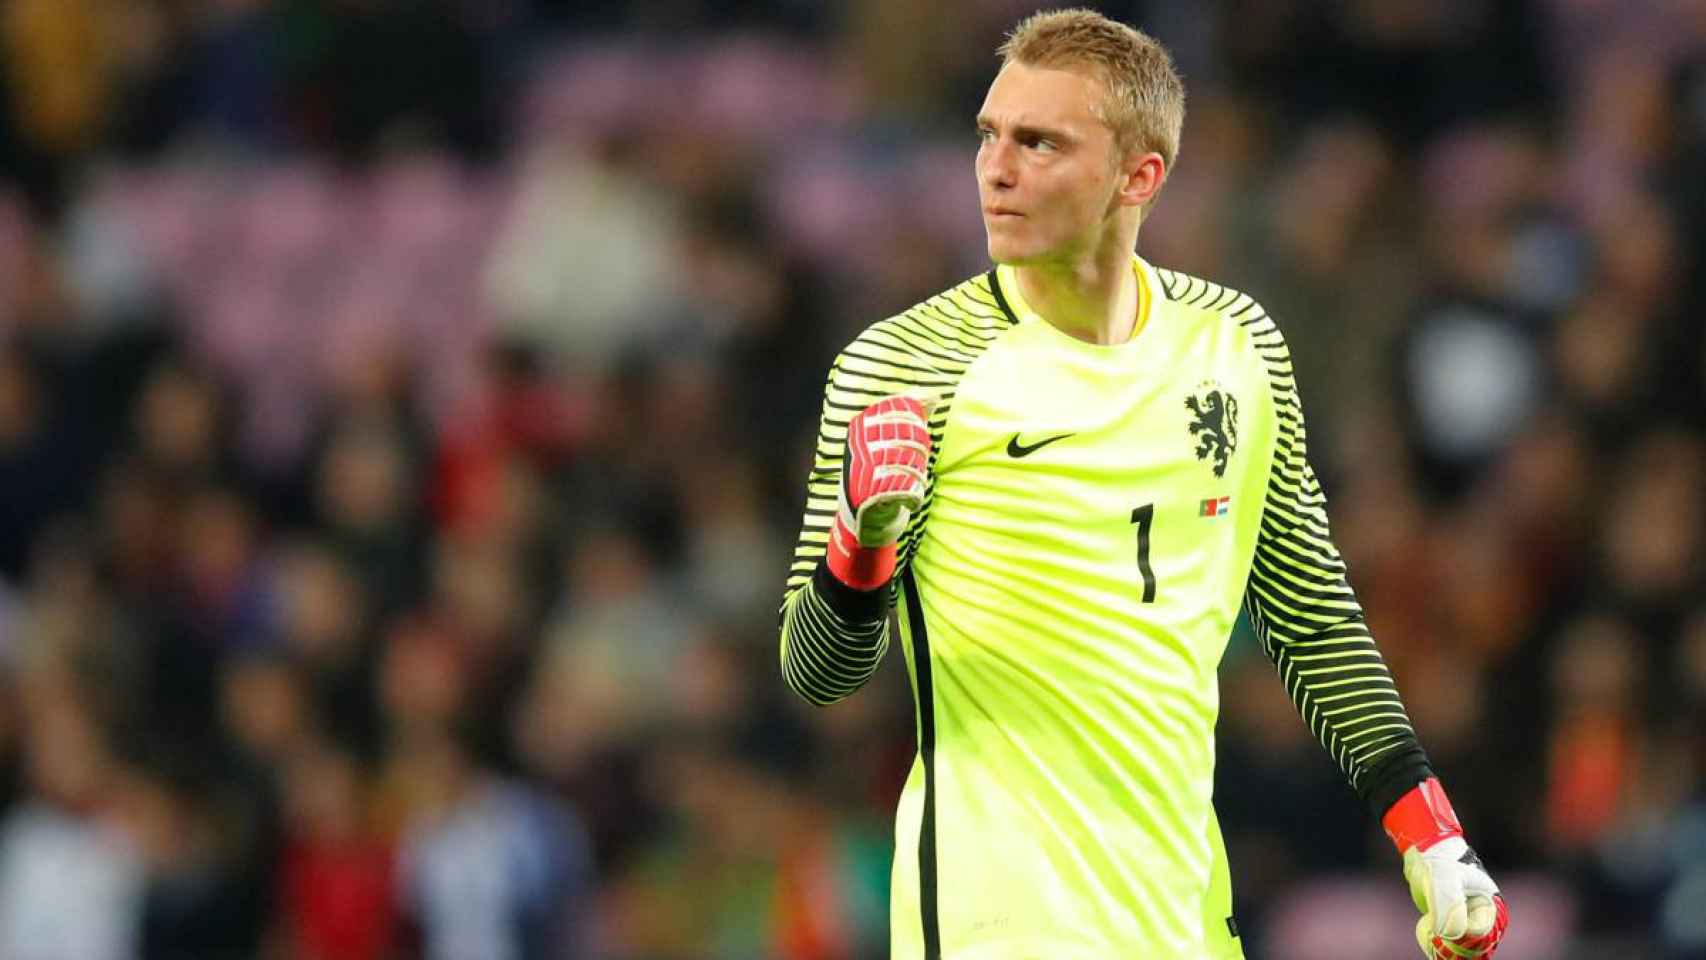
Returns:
point(1462, 912)
point(883, 475)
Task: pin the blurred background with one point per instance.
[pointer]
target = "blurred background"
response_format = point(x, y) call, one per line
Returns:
point(405, 407)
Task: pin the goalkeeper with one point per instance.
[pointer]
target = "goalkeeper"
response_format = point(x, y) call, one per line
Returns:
point(1067, 475)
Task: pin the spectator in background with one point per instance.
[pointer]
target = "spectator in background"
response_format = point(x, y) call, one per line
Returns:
point(41, 461)
point(182, 427)
point(266, 710)
point(337, 883)
point(208, 852)
point(771, 877)
point(72, 878)
point(490, 868)
point(323, 624)
point(368, 508)
point(57, 68)
point(222, 589)
point(587, 241)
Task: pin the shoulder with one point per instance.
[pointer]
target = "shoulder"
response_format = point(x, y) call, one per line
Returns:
point(1240, 319)
point(972, 309)
point(942, 334)
point(1223, 306)
point(1227, 304)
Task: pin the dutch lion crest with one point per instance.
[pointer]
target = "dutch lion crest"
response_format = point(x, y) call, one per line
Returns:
point(1214, 425)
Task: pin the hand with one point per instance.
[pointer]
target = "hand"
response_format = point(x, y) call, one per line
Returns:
point(1463, 914)
point(883, 476)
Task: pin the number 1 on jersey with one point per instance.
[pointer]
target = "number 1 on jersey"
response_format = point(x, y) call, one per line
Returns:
point(1144, 517)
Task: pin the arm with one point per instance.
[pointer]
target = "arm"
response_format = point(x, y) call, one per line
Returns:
point(1311, 626)
point(867, 482)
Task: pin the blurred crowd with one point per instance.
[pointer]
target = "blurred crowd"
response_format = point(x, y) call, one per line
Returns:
point(405, 407)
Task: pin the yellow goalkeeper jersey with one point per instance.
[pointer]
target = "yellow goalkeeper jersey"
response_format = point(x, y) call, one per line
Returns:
point(1095, 518)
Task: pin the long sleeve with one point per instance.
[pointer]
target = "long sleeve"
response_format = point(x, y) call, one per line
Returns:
point(834, 637)
point(1308, 619)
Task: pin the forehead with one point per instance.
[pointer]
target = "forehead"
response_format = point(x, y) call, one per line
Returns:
point(1045, 96)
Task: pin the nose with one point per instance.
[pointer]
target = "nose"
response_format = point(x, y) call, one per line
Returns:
point(995, 167)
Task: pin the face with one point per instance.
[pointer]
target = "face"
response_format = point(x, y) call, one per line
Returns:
point(1048, 176)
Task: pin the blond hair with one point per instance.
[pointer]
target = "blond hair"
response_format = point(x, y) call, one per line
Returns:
point(1145, 102)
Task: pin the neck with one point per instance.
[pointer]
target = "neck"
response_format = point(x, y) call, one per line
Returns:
point(1092, 298)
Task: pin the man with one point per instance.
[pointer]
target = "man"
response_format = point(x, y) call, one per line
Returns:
point(1069, 473)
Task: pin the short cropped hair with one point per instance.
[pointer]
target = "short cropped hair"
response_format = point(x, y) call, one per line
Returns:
point(1145, 105)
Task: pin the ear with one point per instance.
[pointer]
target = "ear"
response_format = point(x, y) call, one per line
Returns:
point(1141, 174)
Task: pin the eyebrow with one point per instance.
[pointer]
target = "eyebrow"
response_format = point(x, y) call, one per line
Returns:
point(1025, 129)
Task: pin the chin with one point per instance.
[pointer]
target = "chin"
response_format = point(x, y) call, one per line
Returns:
point(1004, 251)
point(1012, 247)
point(1009, 255)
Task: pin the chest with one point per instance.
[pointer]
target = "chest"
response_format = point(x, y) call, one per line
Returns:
point(1103, 501)
point(1078, 434)
point(1124, 481)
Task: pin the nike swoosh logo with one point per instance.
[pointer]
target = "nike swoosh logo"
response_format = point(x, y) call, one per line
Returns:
point(1015, 449)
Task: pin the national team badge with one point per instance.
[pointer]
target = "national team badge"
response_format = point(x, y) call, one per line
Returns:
point(1214, 424)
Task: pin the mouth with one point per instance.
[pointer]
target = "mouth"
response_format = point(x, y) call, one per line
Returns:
point(999, 213)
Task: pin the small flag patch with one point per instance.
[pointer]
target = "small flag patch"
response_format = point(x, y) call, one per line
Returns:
point(1215, 507)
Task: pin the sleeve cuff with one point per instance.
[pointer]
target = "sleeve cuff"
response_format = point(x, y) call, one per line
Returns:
point(1421, 818)
point(853, 606)
point(1392, 778)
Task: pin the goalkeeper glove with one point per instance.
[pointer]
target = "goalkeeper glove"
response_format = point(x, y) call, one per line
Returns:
point(1462, 912)
point(883, 474)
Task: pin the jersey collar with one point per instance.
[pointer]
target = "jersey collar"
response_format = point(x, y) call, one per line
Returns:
point(1013, 300)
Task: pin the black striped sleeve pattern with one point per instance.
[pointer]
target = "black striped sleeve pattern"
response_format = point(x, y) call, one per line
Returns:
point(833, 638)
point(1299, 598)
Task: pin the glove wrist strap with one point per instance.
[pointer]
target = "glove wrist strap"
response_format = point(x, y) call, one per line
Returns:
point(860, 567)
point(1421, 818)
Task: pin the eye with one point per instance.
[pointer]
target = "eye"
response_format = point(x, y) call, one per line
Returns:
point(985, 134)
